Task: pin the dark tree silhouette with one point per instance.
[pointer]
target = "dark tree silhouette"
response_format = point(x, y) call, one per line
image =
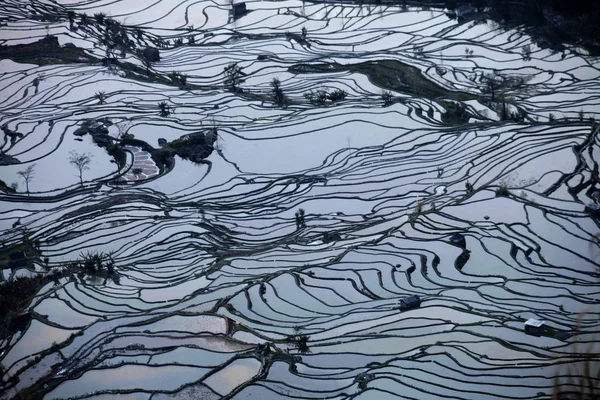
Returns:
point(278, 95)
point(149, 56)
point(165, 109)
point(27, 175)
point(234, 76)
point(101, 96)
point(100, 18)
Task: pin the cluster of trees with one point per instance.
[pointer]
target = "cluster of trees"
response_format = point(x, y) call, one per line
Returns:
point(499, 88)
point(234, 76)
point(299, 341)
point(178, 78)
point(320, 96)
point(93, 262)
point(115, 36)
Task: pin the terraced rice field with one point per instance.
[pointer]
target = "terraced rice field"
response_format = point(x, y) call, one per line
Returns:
point(217, 293)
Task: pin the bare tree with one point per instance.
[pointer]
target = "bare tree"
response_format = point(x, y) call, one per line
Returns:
point(81, 162)
point(492, 83)
point(496, 84)
point(27, 175)
point(234, 76)
point(123, 128)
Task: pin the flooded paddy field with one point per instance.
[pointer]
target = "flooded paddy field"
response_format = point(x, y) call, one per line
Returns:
point(252, 239)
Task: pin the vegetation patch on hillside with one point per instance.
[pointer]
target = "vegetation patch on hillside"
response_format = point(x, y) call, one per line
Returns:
point(389, 74)
point(194, 147)
point(46, 51)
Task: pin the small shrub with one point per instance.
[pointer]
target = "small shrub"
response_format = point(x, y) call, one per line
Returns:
point(362, 380)
point(321, 96)
point(100, 17)
point(278, 96)
point(418, 207)
point(469, 188)
point(165, 109)
point(300, 342)
point(417, 210)
point(178, 78)
point(101, 97)
point(526, 52)
point(318, 97)
point(234, 76)
point(309, 96)
point(300, 219)
point(502, 190)
point(337, 95)
point(387, 97)
point(551, 117)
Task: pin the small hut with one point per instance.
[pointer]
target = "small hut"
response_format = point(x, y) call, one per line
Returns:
point(534, 327)
point(410, 302)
